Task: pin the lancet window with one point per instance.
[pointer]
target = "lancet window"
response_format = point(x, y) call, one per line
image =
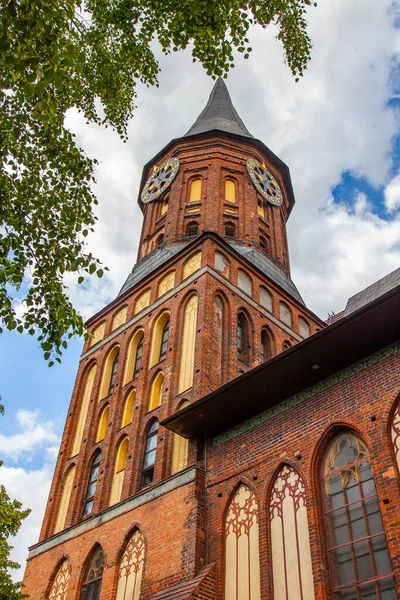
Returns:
point(91, 587)
point(131, 568)
point(358, 557)
point(92, 484)
point(59, 587)
point(242, 555)
point(150, 451)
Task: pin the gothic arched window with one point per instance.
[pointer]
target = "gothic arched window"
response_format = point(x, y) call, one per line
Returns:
point(119, 471)
point(103, 421)
point(229, 229)
point(128, 408)
point(304, 328)
point(188, 345)
point(134, 357)
point(266, 344)
point(109, 373)
point(358, 557)
point(160, 239)
point(138, 357)
point(92, 484)
point(91, 586)
point(164, 341)
point(131, 568)
point(65, 498)
point(156, 392)
point(242, 555)
point(59, 587)
point(192, 229)
point(113, 374)
point(290, 541)
point(243, 340)
point(159, 343)
point(150, 450)
point(180, 448)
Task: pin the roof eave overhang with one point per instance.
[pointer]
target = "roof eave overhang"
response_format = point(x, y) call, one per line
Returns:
point(345, 342)
point(275, 160)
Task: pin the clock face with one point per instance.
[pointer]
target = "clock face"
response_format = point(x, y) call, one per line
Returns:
point(160, 179)
point(264, 182)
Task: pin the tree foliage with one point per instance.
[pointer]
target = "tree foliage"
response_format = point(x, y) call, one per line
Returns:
point(90, 54)
point(11, 517)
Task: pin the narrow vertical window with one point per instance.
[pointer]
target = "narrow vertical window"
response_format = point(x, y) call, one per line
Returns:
point(266, 344)
point(65, 498)
point(128, 409)
point(286, 345)
point(103, 422)
point(92, 484)
point(159, 340)
point(138, 358)
point(131, 568)
point(218, 327)
point(134, 356)
point(113, 376)
point(195, 190)
point(242, 555)
point(59, 587)
point(358, 557)
point(243, 338)
point(229, 229)
point(149, 458)
point(119, 472)
point(83, 411)
point(291, 554)
point(180, 448)
point(156, 392)
point(230, 191)
point(244, 282)
point(164, 341)
point(91, 586)
point(188, 345)
point(108, 379)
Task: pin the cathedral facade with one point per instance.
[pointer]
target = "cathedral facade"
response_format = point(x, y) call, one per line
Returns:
point(222, 442)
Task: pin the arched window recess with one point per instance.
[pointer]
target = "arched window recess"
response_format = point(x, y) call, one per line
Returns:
point(159, 344)
point(149, 457)
point(358, 557)
point(230, 230)
point(92, 484)
point(91, 587)
point(192, 229)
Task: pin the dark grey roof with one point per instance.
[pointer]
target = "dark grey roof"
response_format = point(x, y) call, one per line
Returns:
point(271, 270)
point(372, 292)
point(219, 114)
point(148, 264)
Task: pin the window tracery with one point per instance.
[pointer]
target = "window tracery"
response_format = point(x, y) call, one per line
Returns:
point(356, 543)
point(59, 587)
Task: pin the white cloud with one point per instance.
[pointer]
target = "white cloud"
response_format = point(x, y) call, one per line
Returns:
point(392, 194)
point(335, 120)
point(35, 435)
point(31, 488)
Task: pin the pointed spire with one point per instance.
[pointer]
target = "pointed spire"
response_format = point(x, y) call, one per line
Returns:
point(219, 114)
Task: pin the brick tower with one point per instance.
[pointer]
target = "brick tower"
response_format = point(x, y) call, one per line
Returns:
point(210, 298)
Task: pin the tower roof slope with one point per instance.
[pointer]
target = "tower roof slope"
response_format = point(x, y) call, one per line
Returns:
point(219, 114)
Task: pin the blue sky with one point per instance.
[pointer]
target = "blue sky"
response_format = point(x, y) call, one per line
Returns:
point(338, 130)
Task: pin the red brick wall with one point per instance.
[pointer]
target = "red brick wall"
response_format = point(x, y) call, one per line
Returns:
point(255, 457)
point(213, 160)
